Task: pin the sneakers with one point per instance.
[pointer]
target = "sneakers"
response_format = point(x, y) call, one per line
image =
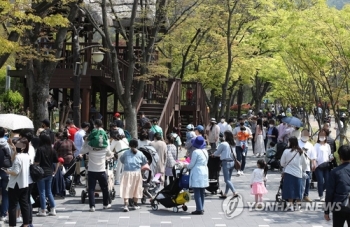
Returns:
point(135, 207)
point(3, 218)
point(321, 199)
point(52, 212)
point(92, 209)
point(307, 199)
point(19, 220)
point(41, 214)
point(126, 209)
point(238, 173)
point(107, 207)
point(242, 173)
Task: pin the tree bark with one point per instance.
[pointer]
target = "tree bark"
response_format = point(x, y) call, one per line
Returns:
point(240, 100)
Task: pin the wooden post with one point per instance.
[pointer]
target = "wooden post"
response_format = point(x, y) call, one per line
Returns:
point(103, 104)
point(85, 105)
point(115, 108)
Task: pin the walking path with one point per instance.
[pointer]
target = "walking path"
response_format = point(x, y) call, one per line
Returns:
point(71, 212)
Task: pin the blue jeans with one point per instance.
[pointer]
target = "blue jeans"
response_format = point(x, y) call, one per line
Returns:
point(44, 187)
point(306, 184)
point(5, 197)
point(102, 180)
point(241, 155)
point(199, 194)
point(322, 179)
point(227, 169)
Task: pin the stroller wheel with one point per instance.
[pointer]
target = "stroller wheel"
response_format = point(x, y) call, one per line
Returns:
point(72, 192)
point(143, 200)
point(154, 206)
point(184, 208)
point(175, 209)
point(82, 197)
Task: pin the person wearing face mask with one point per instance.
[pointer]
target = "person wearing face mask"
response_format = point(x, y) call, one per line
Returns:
point(281, 129)
point(242, 134)
point(223, 125)
point(213, 132)
point(323, 156)
point(309, 153)
point(272, 133)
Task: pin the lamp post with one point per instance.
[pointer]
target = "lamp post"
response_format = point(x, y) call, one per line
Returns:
point(80, 70)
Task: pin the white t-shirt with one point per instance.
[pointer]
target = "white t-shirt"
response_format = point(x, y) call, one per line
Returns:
point(118, 145)
point(223, 127)
point(143, 143)
point(237, 130)
point(257, 176)
point(322, 153)
point(310, 153)
point(31, 152)
point(294, 163)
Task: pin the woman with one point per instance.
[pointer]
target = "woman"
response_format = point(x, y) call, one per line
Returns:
point(227, 153)
point(65, 148)
point(46, 157)
point(170, 159)
point(259, 139)
point(213, 133)
point(131, 182)
point(143, 141)
point(294, 163)
point(119, 145)
point(19, 182)
point(199, 173)
point(272, 133)
point(323, 157)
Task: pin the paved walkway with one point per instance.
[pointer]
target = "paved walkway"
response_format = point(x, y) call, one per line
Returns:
point(70, 211)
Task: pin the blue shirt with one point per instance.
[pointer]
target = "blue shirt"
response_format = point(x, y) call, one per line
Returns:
point(133, 162)
point(79, 141)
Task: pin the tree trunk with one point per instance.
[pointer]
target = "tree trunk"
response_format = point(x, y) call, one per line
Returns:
point(131, 118)
point(240, 100)
point(40, 94)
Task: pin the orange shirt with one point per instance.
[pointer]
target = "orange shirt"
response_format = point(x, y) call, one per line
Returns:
point(243, 136)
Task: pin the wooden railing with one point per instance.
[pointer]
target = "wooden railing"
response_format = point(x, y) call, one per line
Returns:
point(172, 102)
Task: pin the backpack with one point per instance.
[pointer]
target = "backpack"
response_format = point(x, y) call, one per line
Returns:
point(7, 158)
point(127, 135)
point(36, 172)
point(98, 139)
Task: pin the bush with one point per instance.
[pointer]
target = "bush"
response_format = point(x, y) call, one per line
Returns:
point(12, 101)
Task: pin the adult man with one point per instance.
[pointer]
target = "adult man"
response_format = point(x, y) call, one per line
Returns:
point(338, 188)
point(242, 134)
point(4, 147)
point(161, 149)
point(79, 141)
point(45, 124)
point(281, 130)
point(72, 129)
point(155, 128)
point(223, 125)
point(96, 170)
point(143, 120)
point(231, 124)
point(309, 153)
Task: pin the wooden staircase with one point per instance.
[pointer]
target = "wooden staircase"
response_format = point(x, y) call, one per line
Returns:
point(169, 105)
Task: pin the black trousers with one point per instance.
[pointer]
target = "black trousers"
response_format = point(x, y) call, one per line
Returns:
point(30, 189)
point(18, 195)
point(101, 177)
point(339, 218)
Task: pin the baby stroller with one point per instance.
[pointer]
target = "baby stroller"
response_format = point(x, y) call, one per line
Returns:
point(110, 182)
point(69, 177)
point(214, 167)
point(274, 159)
point(171, 196)
point(149, 186)
point(279, 199)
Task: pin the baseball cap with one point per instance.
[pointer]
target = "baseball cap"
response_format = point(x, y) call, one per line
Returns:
point(117, 114)
point(46, 122)
point(199, 128)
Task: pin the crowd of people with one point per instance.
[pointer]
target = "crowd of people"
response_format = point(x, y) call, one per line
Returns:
point(229, 141)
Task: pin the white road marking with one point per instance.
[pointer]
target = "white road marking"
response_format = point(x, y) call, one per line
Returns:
point(124, 217)
point(165, 222)
point(70, 223)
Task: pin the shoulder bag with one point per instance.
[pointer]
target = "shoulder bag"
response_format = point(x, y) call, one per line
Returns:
point(237, 163)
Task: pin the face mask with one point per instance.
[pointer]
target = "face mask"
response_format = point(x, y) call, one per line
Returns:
point(271, 126)
point(222, 120)
point(305, 138)
point(242, 123)
point(322, 139)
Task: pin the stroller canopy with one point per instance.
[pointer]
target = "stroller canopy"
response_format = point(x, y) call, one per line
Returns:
point(152, 157)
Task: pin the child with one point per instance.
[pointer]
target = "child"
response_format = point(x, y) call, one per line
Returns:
point(98, 138)
point(257, 182)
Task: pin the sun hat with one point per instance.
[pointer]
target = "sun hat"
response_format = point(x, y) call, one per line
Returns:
point(199, 128)
point(198, 142)
point(213, 120)
point(190, 127)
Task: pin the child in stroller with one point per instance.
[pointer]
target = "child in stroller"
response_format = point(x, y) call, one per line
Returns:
point(274, 154)
point(173, 195)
